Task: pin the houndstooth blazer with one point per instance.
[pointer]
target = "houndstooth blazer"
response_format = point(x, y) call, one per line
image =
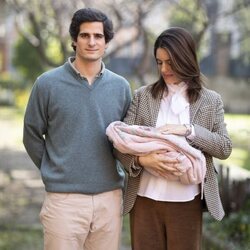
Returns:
point(211, 137)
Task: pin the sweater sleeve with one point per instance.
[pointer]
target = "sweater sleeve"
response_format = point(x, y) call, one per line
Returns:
point(35, 124)
point(127, 160)
point(127, 99)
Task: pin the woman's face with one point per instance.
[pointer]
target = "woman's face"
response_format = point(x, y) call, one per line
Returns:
point(164, 66)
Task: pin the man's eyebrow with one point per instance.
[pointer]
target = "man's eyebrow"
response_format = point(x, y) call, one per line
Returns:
point(83, 32)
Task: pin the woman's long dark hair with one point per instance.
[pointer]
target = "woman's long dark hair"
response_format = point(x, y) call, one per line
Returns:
point(182, 52)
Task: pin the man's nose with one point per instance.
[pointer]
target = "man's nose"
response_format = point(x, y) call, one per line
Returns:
point(92, 41)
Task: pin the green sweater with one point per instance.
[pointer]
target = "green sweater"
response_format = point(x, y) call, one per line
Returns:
point(64, 129)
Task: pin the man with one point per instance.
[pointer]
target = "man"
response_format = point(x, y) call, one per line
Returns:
point(64, 134)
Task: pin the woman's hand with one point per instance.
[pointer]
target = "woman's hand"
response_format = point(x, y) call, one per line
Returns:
point(175, 129)
point(160, 163)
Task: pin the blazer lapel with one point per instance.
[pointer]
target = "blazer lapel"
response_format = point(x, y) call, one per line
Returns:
point(154, 107)
point(194, 107)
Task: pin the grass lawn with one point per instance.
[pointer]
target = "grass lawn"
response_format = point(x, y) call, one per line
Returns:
point(11, 114)
point(239, 130)
point(21, 238)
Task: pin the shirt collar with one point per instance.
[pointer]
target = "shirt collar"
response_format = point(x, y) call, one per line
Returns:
point(177, 97)
point(72, 59)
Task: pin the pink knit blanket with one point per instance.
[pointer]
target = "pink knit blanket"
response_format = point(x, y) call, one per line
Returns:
point(141, 140)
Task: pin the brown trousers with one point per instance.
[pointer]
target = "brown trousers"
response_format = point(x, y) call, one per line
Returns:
point(157, 225)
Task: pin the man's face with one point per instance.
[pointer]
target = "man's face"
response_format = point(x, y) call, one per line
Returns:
point(90, 43)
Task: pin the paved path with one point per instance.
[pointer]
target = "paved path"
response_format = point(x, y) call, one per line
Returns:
point(21, 189)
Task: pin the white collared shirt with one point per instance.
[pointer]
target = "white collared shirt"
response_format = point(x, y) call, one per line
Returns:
point(174, 109)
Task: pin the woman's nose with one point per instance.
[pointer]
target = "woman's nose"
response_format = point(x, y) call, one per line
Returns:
point(165, 67)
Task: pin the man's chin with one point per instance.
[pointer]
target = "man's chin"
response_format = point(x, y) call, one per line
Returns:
point(93, 59)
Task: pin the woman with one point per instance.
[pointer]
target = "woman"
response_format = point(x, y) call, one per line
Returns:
point(168, 214)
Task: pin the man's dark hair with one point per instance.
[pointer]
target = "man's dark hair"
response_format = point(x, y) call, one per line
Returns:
point(90, 15)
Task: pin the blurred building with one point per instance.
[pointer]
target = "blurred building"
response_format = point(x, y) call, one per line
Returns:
point(7, 38)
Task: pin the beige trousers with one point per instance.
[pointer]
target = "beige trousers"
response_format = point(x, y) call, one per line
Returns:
point(82, 222)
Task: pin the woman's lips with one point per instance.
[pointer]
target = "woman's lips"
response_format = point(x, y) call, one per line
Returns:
point(167, 75)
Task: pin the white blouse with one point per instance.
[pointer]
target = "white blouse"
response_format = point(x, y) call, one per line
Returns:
point(174, 109)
